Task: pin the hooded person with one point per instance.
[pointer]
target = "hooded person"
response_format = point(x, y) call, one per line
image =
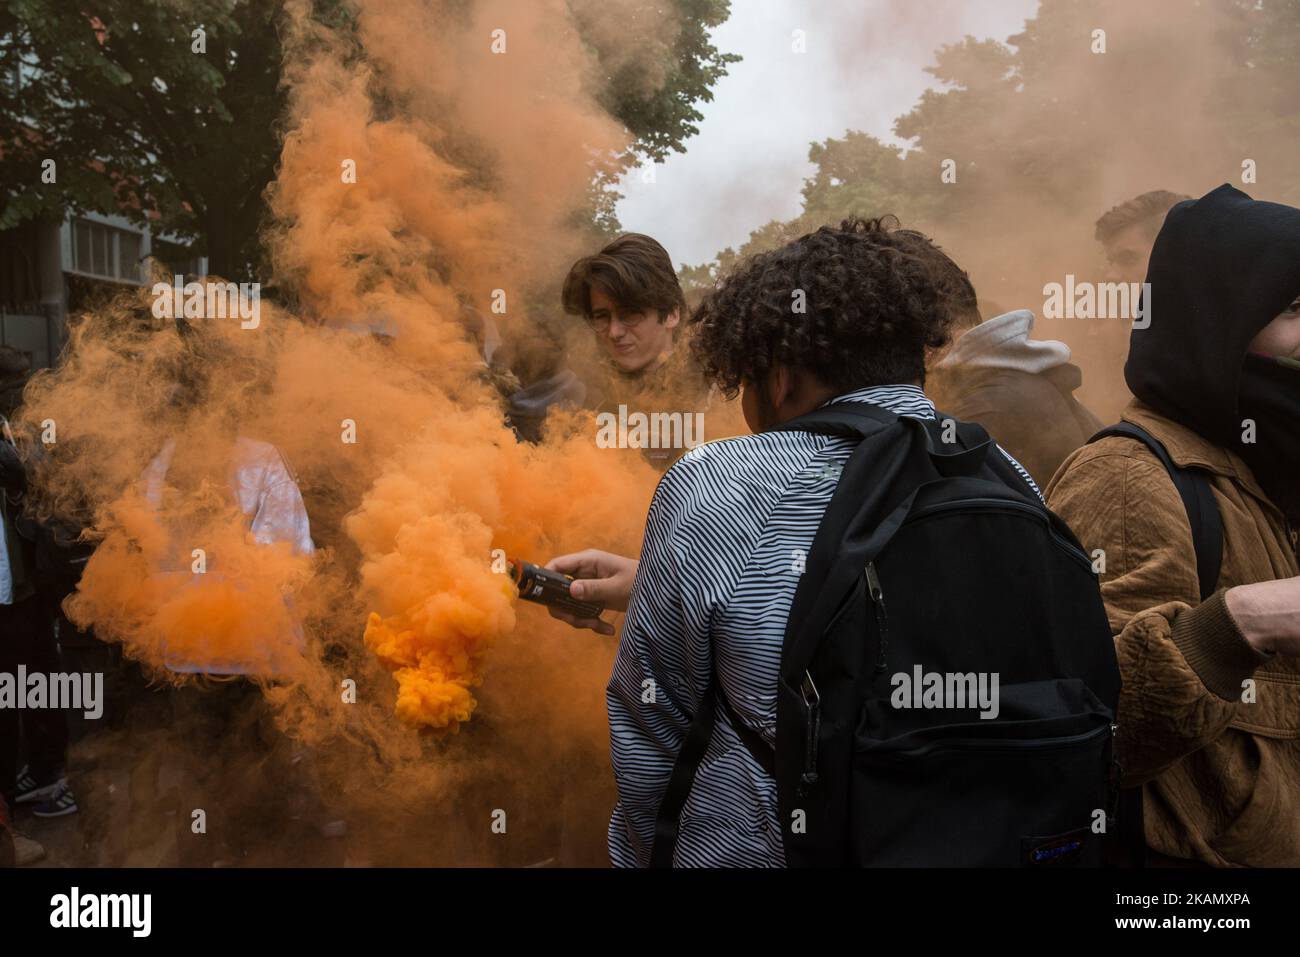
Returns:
point(1209, 716)
point(1020, 389)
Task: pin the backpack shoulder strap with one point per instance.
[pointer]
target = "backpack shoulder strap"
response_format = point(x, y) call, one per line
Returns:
point(688, 762)
point(1193, 487)
point(679, 782)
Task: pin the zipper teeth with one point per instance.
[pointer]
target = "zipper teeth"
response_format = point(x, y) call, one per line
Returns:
point(985, 744)
point(877, 595)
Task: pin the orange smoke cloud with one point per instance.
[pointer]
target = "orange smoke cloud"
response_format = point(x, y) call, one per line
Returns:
point(428, 528)
point(408, 241)
point(468, 169)
point(136, 590)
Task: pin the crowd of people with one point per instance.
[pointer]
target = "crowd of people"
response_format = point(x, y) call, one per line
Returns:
point(1188, 513)
point(874, 380)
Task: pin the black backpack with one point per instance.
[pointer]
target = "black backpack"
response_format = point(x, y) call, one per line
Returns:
point(935, 559)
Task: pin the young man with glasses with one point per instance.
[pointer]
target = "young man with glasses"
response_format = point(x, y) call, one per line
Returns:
point(630, 297)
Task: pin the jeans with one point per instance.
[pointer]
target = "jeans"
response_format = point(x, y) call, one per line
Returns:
point(27, 638)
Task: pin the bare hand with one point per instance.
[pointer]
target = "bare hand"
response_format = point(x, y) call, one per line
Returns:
point(598, 577)
point(1268, 614)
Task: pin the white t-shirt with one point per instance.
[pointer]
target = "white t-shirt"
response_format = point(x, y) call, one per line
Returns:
point(269, 497)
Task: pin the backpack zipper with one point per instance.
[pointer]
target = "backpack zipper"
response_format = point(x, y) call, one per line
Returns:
point(878, 602)
point(1116, 776)
point(1004, 744)
point(1005, 505)
point(812, 730)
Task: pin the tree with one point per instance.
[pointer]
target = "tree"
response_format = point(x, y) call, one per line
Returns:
point(653, 95)
point(659, 110)
point(166, 112)
point(155, 111)
point(1044, 131)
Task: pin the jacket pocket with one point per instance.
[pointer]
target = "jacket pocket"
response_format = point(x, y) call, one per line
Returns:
point(1265, 831)
point(1275, 710)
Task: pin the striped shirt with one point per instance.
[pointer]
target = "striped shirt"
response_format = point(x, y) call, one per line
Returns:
point(727, 533)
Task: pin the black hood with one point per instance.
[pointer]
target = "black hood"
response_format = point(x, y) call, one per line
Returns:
point(1222, 267)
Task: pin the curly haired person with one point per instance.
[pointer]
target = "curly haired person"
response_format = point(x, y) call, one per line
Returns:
point(843, 314)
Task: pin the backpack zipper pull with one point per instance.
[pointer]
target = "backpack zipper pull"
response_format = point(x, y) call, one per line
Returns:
point(812, 729)
point(878, 601)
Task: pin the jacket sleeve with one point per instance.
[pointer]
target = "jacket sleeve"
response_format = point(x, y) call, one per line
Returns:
point(663, 660)
point(281, 515)
point(1182, 662)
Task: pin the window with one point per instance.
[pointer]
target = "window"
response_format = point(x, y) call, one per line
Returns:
point(105, 251)
point(128, 255)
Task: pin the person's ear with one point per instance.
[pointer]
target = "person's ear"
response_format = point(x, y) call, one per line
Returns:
point(673, 318)
point(781, 385)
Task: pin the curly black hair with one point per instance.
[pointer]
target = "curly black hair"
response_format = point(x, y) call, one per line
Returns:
point(871, 308)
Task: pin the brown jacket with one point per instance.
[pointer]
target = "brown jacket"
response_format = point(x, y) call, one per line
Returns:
point(1217, 752)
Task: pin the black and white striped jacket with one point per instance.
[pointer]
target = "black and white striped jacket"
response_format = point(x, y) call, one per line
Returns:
point(728, 530)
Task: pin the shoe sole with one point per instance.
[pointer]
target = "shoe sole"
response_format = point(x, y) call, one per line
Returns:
point(31, 796)
point(39, 794)
point(59, 813)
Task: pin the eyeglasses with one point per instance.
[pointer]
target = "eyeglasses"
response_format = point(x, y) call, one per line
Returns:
point(629, 320)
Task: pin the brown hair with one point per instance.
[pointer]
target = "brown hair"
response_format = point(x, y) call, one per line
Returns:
point(1149, 207)
point(633, 270)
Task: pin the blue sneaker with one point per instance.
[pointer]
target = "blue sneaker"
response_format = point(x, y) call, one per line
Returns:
point(57, 804)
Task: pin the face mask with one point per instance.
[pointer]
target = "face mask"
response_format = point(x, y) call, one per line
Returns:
point(1270, 397)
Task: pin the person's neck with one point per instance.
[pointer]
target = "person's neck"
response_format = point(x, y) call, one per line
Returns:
point(806, 397)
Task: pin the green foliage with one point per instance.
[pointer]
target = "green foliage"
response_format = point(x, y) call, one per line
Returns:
point(661, 113)
point(138, 124)
point(1036, 125)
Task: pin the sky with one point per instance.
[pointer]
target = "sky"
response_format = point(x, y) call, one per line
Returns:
point(862, 67)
